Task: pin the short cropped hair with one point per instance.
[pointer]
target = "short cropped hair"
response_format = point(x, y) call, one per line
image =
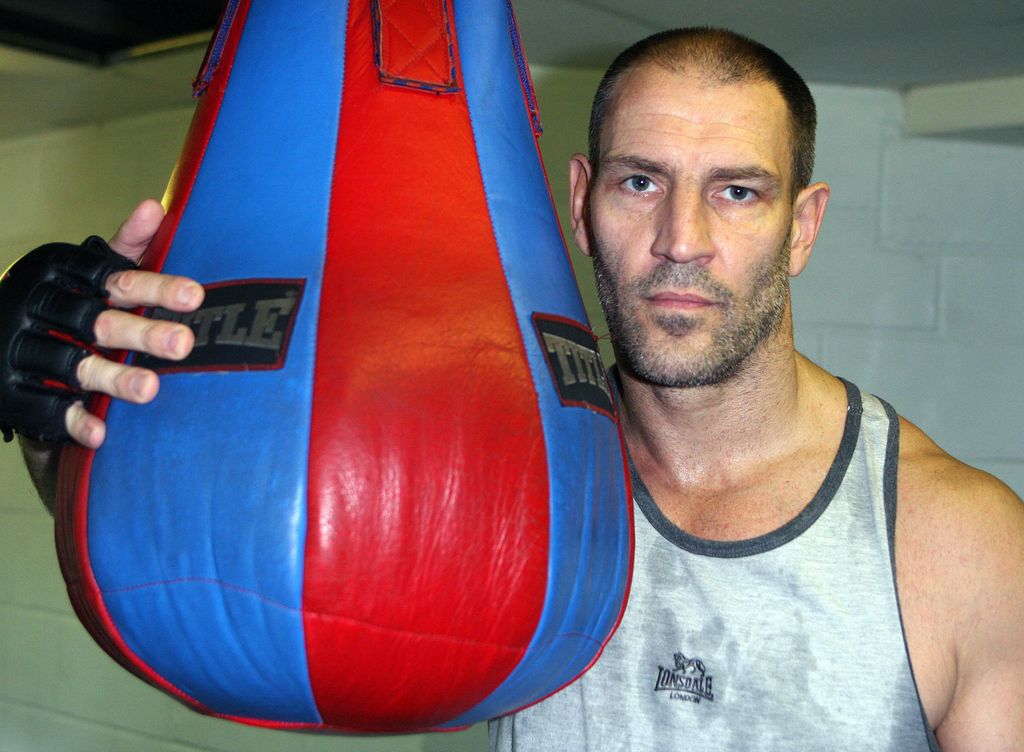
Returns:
point(722, 57)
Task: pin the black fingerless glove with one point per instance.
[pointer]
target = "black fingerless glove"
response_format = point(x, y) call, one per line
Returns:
point(49, 301)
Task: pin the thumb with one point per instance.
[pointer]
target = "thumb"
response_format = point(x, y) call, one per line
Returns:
point(134, 235)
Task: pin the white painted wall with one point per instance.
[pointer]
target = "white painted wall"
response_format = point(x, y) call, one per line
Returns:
point(913, 293)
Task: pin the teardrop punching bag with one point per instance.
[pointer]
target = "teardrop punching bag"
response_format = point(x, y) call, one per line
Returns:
point(387, 491)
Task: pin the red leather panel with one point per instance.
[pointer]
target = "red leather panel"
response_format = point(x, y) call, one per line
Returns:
point(428, 477)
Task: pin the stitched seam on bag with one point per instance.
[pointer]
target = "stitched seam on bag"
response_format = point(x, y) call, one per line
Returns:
point(399, 70)
point(423, 51)
point(292, 609)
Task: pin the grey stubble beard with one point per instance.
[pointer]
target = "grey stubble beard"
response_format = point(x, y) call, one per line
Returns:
point(747, 322)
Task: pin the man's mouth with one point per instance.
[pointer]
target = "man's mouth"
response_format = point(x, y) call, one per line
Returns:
point(683, 301)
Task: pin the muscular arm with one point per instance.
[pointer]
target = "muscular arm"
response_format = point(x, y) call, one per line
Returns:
point(987, 709)
point(960, 566)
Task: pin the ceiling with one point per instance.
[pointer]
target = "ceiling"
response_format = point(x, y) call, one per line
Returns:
point(101, 31)
point(63, 63)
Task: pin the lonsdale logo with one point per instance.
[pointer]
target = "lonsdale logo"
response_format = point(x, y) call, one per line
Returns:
point(575, 363)
point(687, 680)
point(242, 325)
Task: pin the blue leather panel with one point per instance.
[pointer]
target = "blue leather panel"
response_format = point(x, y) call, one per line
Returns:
point(591, 534)
point(217, 464)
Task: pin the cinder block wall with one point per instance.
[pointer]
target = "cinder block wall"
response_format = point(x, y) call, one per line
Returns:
point(913, 293)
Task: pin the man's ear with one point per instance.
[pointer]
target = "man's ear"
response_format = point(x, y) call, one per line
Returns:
point(580, 175)
point(808, 212)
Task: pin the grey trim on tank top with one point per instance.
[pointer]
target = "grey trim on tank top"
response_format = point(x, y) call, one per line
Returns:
point(781, 535)
point(892, 452)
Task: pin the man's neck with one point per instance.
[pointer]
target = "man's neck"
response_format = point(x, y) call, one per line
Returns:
point(699, 449)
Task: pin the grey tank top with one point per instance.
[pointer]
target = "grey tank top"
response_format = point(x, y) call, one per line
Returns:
point(789, 641)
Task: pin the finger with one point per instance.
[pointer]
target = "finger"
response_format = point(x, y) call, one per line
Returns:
point(134, 235)
point(138, 385)
point(84, 427)
point(139, 288)
point(120, 330)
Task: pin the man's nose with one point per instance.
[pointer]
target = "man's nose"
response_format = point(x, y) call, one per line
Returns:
point(683, 234)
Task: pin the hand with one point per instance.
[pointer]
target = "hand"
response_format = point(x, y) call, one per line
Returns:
point(120, 330)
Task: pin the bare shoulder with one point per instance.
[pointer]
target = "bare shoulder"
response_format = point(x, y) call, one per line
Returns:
point(960, 569)
point(943, 496)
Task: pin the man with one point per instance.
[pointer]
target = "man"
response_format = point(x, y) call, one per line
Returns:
point(782, 598)
point(765, 611)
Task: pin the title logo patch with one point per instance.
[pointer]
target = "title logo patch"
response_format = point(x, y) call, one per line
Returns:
point(242, 325)
point(575, 363)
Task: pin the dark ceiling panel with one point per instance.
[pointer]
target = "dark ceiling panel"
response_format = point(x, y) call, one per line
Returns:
point(101, 31)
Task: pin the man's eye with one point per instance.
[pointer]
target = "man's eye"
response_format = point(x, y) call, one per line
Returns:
point(640, 183)
point(739, 193)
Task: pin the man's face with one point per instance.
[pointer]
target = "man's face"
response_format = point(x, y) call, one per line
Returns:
point(689, 220)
